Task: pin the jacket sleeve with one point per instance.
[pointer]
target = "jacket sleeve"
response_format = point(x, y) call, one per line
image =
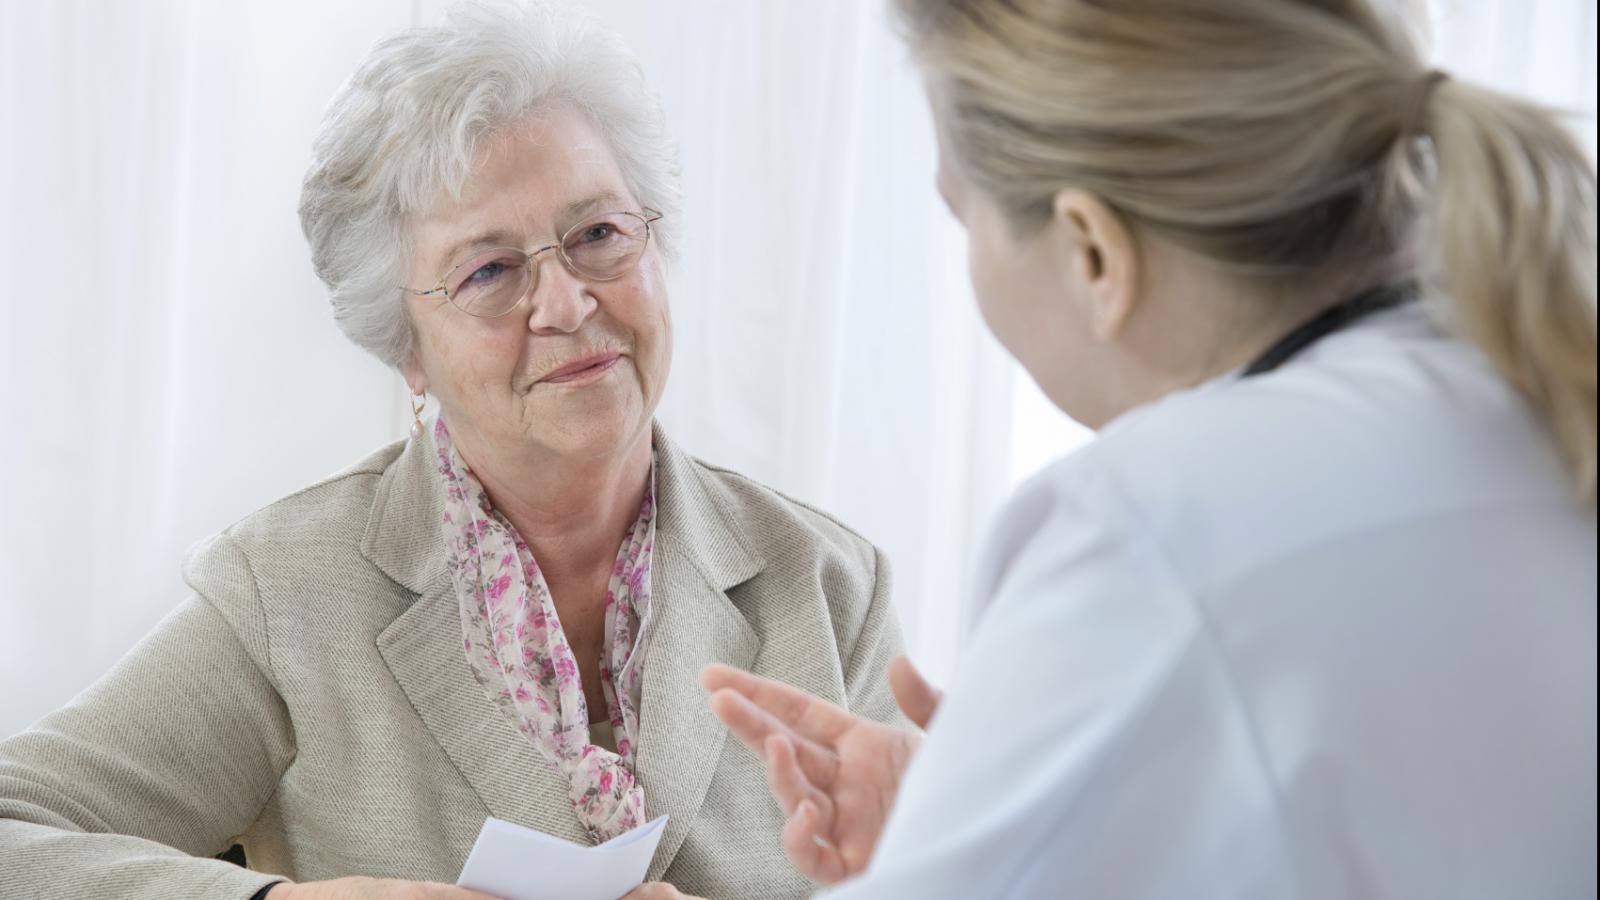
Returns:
point(134, 785)
point(866, 669)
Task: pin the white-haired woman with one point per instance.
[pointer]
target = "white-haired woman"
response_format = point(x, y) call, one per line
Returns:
point(1315, 614)
point(505, 614)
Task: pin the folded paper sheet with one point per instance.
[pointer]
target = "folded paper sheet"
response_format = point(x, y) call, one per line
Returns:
point(516, 863)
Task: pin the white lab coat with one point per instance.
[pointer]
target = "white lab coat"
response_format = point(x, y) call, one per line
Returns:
point(1327, 632)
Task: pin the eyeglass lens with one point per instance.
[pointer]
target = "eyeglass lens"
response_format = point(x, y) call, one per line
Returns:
point(492, 282)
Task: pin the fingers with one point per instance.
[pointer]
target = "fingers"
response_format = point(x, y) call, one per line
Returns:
point(808, 716)
point(753, 726)
point(437, 891)
point(808, 835)
point(811, 853)
point(373, 889)
point(918, 699)
point(788, 782)
point(656, 890)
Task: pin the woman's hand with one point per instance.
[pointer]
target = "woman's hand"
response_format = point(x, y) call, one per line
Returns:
point(657, 890)
point(835, 775)
point(372, 889)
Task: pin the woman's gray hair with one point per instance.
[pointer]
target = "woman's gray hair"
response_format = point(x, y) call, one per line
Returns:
point(406, 126)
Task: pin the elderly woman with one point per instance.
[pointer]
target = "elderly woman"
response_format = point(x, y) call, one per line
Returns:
point(505, 614)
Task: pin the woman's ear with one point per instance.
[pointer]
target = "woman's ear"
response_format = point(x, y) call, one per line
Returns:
point(1103, 257)
point(411, 371)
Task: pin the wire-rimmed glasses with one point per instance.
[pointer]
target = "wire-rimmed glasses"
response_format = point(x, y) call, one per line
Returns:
point(493, 282)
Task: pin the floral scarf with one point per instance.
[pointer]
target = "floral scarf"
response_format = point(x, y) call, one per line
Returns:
point(517, 650)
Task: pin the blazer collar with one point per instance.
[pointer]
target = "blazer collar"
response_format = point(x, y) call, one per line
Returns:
point(693, 511)
point(404, 535)
point(404, 538)
point(700, 554)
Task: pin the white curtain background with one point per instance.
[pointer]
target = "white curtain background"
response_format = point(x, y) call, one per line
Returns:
point(170, 364)
point(174, 366)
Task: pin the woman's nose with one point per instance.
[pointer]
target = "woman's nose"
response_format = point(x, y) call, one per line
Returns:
point(561, 301)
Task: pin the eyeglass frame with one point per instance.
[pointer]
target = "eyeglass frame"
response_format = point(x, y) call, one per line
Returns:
point(645, 214)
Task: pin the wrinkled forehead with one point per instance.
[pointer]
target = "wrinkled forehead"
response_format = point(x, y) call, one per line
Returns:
point(530, 180)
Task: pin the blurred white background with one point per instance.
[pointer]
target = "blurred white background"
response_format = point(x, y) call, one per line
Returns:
point(170, 363)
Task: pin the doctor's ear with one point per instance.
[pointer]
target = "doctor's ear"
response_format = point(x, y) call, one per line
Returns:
point(1101, 257)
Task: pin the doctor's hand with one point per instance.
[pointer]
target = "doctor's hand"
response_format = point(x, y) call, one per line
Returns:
point(834, 774)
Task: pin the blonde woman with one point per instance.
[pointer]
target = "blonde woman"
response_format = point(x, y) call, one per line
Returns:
point(1315, 615)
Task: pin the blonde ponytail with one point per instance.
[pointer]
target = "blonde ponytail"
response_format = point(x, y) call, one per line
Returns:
point(1510, 237)
point(1292, 142)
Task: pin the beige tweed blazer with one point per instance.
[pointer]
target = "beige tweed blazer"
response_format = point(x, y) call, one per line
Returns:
point(311, 700)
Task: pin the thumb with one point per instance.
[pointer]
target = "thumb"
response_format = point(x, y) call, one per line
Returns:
point(918, 699)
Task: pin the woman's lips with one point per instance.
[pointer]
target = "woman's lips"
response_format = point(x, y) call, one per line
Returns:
point(588, 368)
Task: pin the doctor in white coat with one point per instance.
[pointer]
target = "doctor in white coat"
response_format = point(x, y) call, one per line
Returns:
point(1314, 616)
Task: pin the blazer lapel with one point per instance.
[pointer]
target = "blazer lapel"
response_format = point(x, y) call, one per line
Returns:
point(698, 557)
point(422, 648)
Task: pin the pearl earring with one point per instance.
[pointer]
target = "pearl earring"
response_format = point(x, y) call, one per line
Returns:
point(418, 401)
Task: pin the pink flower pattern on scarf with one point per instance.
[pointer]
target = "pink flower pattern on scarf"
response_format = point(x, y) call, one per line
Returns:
point(517, 650)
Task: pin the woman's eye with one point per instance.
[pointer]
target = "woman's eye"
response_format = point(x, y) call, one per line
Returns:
point(597, 232)
point(485, 275)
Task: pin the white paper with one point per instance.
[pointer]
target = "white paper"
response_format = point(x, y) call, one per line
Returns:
point(516, 863)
